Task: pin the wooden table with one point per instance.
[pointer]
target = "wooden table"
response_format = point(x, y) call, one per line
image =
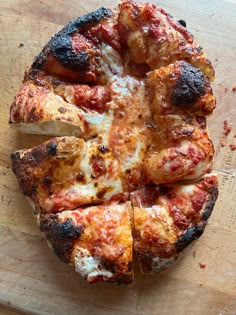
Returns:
point(32, 279)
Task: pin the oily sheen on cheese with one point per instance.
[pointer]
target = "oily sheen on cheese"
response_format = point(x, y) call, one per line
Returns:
point(125, 92)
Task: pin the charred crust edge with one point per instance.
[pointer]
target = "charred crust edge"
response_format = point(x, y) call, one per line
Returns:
point(210, 203)
point(189, 86)
point(60, 45)
point(190, 235)
point(61, 235)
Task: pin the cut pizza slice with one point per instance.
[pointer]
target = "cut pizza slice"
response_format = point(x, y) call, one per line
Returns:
point(154, 38)
point(168, 218)
point(181, 89)
point(65, 173)
point(46, 105)
point(85, 51)
point(181, 149)
point(96, 240)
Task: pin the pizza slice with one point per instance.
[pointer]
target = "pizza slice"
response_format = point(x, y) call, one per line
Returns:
point(154, 38)
point(65, 173)
point(96, 240)
point(181, 89)
point(168, 218)
point(181, 149)
point(46, 105)
point(83, 51)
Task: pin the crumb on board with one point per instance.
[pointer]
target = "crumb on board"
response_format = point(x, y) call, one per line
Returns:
point(194, 254)
point(232, 146)
point(21, 45)
point(227, 128)
point(201, 265)
point(222, 143)
point(234, 88)
point(226, 89)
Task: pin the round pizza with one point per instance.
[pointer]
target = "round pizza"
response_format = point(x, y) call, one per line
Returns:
point(124, 93)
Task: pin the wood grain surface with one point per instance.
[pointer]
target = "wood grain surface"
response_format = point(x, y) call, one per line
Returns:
point(32, 279)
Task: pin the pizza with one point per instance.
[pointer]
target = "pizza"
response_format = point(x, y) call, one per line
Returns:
point(125, 94)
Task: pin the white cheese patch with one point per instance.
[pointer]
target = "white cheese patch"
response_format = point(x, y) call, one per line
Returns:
point(160, 211)
point(88, 266)
point(133, 158)
point(111, 60)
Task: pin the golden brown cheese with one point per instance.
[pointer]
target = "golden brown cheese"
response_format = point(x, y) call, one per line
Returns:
point(97, 241)
point(168, 218)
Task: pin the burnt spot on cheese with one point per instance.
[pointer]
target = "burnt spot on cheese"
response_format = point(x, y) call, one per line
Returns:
point(80, 177)
point(61, 235)
point(103, 149)
point(189, 86)
point(191, 234)
point(60, 46)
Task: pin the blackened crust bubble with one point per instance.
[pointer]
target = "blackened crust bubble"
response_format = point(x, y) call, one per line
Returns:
point(61, 44)
point(62, 50)
point(191, 234)
point(61, 235)
point(52, 148)
point(189, 86)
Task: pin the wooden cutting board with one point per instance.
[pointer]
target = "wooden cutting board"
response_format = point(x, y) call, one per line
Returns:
point(32, 279)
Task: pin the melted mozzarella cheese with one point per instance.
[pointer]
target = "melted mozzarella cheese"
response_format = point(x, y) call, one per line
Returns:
point(88, 266)
point(111, 61)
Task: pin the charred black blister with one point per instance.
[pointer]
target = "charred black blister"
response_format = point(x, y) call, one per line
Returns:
point(190, 86)
point(52, 148)
point(62, 50)
point(15, 156)
point(61, 44)
point(66, 230)
point(61, 235)
point(190, 235)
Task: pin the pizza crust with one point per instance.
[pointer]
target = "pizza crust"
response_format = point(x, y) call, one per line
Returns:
point(97, 241)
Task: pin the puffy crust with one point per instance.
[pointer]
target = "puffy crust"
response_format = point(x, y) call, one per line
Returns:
point(181, 149)
point(50, 106)
point(180, 88)
point(64, 173)
point(168, 218)
point(97, 241)
point(70, 54)
point(153, 37)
